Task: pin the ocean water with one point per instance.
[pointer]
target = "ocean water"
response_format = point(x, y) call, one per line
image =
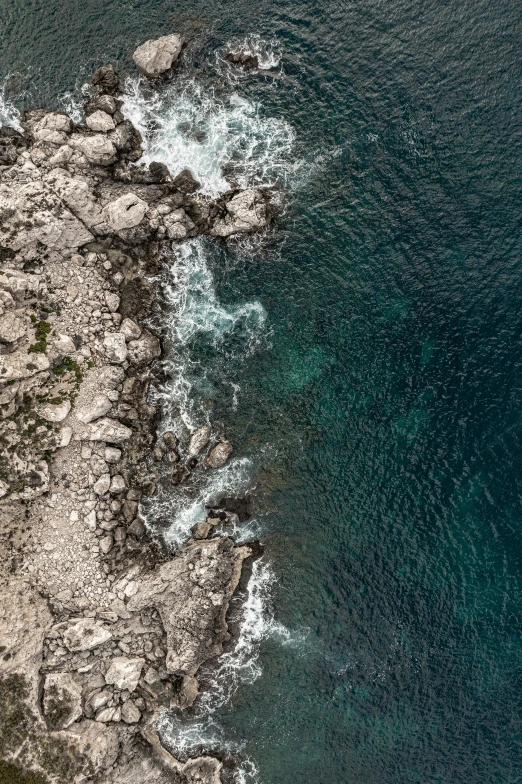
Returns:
point(364, 358)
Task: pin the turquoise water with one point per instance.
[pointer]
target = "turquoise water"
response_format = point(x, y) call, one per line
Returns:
point(379, 399)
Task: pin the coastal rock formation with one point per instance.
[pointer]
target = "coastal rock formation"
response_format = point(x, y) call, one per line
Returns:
point(153, 58)
point(102, 628)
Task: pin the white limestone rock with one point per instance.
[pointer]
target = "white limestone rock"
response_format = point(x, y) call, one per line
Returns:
point(109, 430)
point(130, 713)
point(20, 365)
point(55, 412)
point(178, 224)
point(85, 634)
point(97, 149)
point(246, 213)
point(100, 121)
point(115, 347)
point(13, 326)
point(199, 440)
point(63, 344)
point(65, 437)
point(102, 485)
point(76, 193)
point(154, 57)
point(112, 300)
point(93, 409)
point(145, 349)
point(98, 742)
point(124, 672)
point(125, 212)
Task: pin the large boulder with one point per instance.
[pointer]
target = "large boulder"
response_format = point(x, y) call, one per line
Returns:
point(78, 196)
point(85, 634)
point(115, 347)
point(20, 365)
point(144, 349)
point(219, 455)
point(100, 121)
point(107, 79)
point(199, 440)
point(93, 409)
point(62, 700)
point(55, 412)
point(125, 212)
point(193, 611)
point(98, 149)
point(246, 212)
point(95, 741)
point(178, 224)
point(109, 430)
point(154, 57)
point(13, 326)
point(124, 673)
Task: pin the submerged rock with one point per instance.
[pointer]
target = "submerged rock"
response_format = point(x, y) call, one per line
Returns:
point(154, 57)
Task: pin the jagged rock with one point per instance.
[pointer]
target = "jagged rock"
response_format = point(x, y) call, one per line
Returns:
point(137, 528)
point(112, 455)
point(179, 474)
point(97, 148)
point(154, 57)
point(109, 714)
point(202, 530)
point(63, 344)
point(62, 700)
point(178, 224)
point(95, 741)
point(124, 673)
point(107, 78)
point(199, 440)
point(13, 326)
point(104, 103)
point(84, 634)
point(109, 430)
point(100, 121)
point(100, 700)
point(112, 300)
point(110, 376)
point(246, 213)
point(125, 212)
point(145, 349)
point(76, 193)
point(102, 485)
point(21, 365)
point(248, 61)
point(130, 713)
point(193, 611)
point(55, 412)
point(130, 329)
point(117, 484)
point(6, 302)
point(127, 139)
point(53, 121)
point(170, 440)
point(188, 691)
point(106, 543)
point(185, 182)
point(65, 437)
point(32, 214)
point(18, 283)
point(219, 455)
point(115, 347)
point(95, 408)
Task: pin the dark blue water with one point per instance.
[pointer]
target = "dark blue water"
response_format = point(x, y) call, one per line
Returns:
point(382, 412)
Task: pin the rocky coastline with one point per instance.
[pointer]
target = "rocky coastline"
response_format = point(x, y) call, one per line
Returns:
point(102, 628)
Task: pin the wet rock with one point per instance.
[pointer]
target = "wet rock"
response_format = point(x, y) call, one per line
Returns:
point(100, 121)
point(249, 62)
point(199, 440)
point(137, 528)
point(202, 530)
point(125, 212)
point(158, 172)
point(124, 672)
point(216, 567)
point(179, 474)
point(144, 350)
point(243, 507)
point(178, 224)
point(95, 408)
point(247, 212)
point(170, 440)
point(85, 634)
point(107, 78)
point(154, 57)
point(104, 103)
point(185, 182)
point(62, 700)
point(219, 455)
point(109, 430)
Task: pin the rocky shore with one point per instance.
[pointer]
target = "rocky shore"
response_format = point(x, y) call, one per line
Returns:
point(101, 627)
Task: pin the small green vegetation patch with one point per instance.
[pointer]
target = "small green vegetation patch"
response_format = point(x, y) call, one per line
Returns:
point(42, 329)
point(68, 365)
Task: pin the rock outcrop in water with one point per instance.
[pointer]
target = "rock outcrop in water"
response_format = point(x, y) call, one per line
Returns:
point(100, 630)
